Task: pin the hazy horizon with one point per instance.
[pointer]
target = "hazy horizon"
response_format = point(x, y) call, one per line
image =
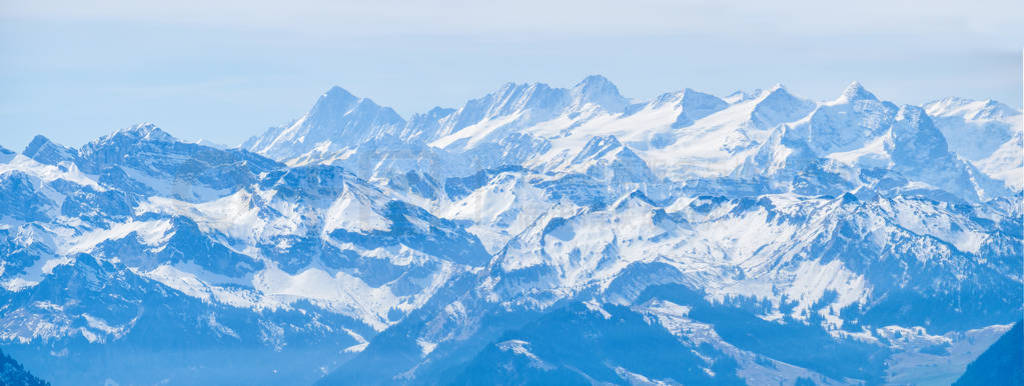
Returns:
point(228, 71)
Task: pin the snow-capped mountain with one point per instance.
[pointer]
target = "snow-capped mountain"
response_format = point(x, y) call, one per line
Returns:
point(535, 234)
point(216, 237)
point(986, 133)
point(337, 121)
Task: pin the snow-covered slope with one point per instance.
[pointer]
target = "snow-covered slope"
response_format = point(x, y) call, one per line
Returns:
point(337, 121)
point(228, 242)
point(987, 133)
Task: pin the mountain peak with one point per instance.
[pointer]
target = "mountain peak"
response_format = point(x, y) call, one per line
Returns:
point(136, 133)
point(596, 80)
point(335, 101)
point(599, 90)
point(37, 142)
point(337, 92)
point(696, 105)
point(993, 109)
point(147, 131)
point(855, 92)
point(970, 108)
point(777, 91)
point(337, 120)
point(777, 106)
point(511, 98)
point(44, 150)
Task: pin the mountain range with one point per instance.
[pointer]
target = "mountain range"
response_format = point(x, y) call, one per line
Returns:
point(533, 235)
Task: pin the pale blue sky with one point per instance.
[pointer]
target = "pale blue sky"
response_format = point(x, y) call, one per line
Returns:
point(75, 70)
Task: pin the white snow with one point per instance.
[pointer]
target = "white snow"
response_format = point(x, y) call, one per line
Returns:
point(48, 173)
point(151, 233)
point(520, 347)
point(358, 347)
